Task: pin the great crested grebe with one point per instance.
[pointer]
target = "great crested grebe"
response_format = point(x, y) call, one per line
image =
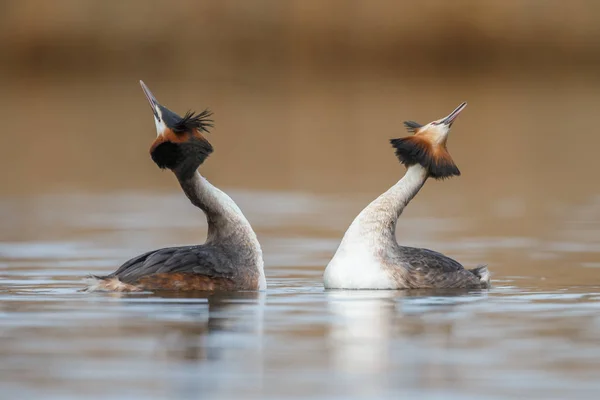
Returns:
point(369, 257)
point(231, 259)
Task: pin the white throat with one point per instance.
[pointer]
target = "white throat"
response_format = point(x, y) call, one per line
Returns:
point(160, 126)
point(357, 261)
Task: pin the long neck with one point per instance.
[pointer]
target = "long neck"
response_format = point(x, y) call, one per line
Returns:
point(378, 220)
point(226, 222)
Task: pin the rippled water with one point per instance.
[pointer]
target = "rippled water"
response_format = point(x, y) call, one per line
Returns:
point(534, 335)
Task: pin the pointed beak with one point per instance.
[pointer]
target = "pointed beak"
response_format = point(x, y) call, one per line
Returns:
point(151, 99)
point(450, 118)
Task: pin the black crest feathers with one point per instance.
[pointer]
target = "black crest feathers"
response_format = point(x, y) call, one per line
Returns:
point(201, 121)
point(418, 150)
point(412, 126)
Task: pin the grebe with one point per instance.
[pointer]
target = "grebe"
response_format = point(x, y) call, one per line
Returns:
point(369, 257)
point(231, 259)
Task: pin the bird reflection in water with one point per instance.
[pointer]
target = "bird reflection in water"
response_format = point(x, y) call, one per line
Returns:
point(208, 338)
point(375, 332)
point(197, 333)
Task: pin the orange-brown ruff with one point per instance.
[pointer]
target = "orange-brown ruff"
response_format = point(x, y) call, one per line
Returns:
point(369, 257)
point(231, 259)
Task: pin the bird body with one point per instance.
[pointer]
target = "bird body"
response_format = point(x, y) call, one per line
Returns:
point(231, 259)
point(369, 257)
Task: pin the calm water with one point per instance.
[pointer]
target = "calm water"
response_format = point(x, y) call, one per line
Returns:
point(302, 157)
point(535, 335)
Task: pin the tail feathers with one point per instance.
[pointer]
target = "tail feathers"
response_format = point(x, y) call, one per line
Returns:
point(93, 283)
point(482, 272)
point(107, 284)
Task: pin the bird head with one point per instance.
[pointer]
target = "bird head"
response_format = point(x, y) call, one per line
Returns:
point(427, 146)
point(179, 145)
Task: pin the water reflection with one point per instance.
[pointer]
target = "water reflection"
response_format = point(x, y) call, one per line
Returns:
point(362, 329)
point(297, 340)
point(202, 341)
point(361, 336)
point(228, 339)
point(371, 317)
point(376, 332)
point(194, 333)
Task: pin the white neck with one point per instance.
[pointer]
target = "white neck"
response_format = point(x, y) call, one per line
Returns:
point(226, 223)
point(378, 220)
point(357, 261)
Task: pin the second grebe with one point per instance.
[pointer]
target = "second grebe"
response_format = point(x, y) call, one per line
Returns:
point(369, 257)
point(231, 258)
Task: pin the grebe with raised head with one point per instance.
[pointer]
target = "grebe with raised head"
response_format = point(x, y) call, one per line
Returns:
point(231, 259)
point(369, 257)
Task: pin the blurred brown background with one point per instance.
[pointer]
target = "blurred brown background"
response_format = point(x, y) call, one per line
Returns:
point(305, 93)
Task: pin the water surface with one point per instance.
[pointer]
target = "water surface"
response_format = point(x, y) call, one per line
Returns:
point(534, 335)
point(302, 153)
